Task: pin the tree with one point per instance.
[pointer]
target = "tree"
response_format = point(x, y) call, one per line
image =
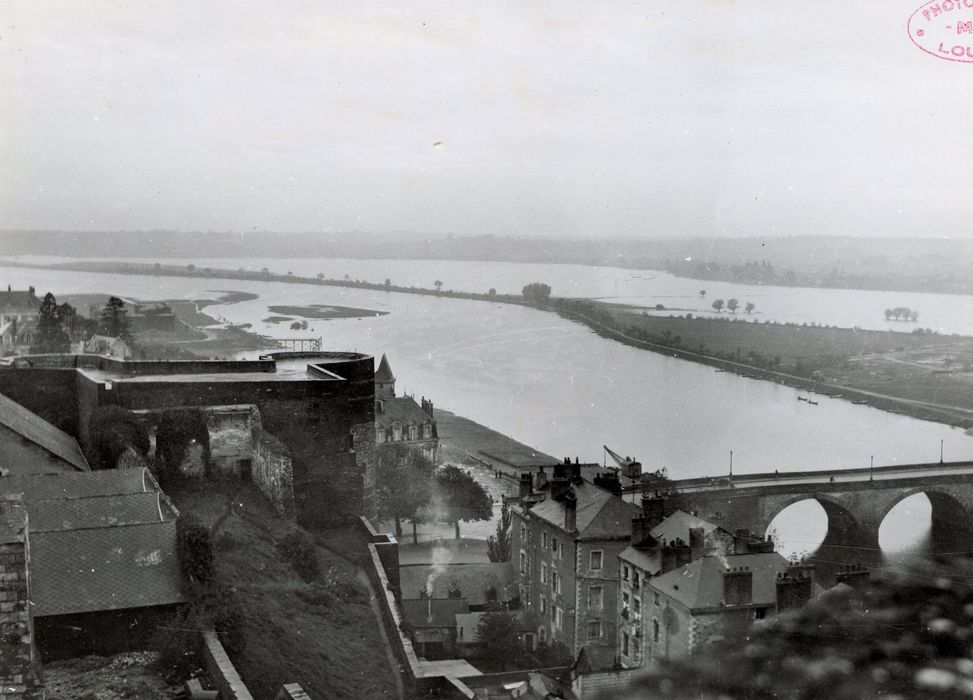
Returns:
point(500, 644)
point(750, 307)
point(113, 430)
point(114, 320)
point(51, 336)
point(914, 316)
point(460, 497)
point(439, 285)
point(702, 293)
point(732, 305)
point(718, 305)
point(888, 314)
point(403, 480)
point(536, 292)
point(388, 283)
point(498, 546)
point(492, 292)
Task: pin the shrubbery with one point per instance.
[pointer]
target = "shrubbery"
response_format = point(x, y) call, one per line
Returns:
point(299, 550)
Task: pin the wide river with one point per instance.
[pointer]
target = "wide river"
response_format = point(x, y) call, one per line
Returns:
point(559, 387)
point(845, 308)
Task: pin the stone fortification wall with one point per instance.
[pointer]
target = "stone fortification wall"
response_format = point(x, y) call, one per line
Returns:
point(273, 473)
point(18, 663)
point(221, 670)
point(326, 424)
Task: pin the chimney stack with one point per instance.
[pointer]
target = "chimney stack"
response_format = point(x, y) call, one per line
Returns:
point(674, 555)
point(609, 482)
point(641, 534)
point(570, 512)
point(541, 478)
point(738, 586)
point(653, 509)
point(526, 487)
point(794, 587)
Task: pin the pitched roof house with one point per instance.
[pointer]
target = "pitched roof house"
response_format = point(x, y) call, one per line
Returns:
point(399, 419)
point(31, 445)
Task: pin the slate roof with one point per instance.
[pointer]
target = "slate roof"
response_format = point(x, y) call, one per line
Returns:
point(402, 409)
point(699, 584)
point(38, 431)
point(102, 540)
point(434, 612)
point(472, 580)
point(599, 514)
point(384, 371)
point(678, 525)
point(106, 568)
point(18, 300)
point(100, 511)
point(648, 561)
point(110, 482)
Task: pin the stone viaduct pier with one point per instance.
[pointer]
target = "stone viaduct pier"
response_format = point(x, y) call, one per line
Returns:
point(856, 502)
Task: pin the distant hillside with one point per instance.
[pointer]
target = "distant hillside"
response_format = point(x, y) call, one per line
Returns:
point(922, 264)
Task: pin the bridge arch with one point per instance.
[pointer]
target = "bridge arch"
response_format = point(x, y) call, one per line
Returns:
point(949, 529)
point(831, 535)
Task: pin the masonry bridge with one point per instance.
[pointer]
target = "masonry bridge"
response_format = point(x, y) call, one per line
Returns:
point(856, 502)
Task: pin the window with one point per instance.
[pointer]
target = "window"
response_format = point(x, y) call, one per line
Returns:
point(523, 532)
point(379, 436)
point(594, 629)
point(596, 560)
point(543, 540)
point(554, 546)
point(624, 572)
point(635, 579)
point(523, 562)
point(543, 605)
point(396, 433)
point(596, 597)
point(413, 432)
point(655, 630)
point(427, 431)
point(759, 613)
point(655, 598)
point(558, 617)
point(556, 583)
point(543, 572)
point(624, 643)
point(637, 604)
point(542, 634)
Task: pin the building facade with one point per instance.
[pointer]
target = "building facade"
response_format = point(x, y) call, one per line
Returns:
point(566, 538)
point(400, 420)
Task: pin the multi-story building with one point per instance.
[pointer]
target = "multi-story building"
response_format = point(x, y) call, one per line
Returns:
point(565, 540)
point(685, 581)
point(400, 420)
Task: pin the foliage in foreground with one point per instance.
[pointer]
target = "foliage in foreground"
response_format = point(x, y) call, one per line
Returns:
point(461, 497)
point(907, 635)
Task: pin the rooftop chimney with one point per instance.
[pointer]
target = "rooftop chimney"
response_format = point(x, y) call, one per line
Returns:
point(741, 541)
point(653, 509)
point(795, 587)
point(738, 586)
point(570, 512)
point(526, 486)
point(675, 555)
point(641, 537)
point(609, 482)
point(541, 478)
point(854, 575)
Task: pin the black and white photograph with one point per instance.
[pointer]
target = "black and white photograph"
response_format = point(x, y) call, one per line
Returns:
point(486, 350)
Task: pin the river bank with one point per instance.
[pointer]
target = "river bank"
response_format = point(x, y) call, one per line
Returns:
point(900, 374)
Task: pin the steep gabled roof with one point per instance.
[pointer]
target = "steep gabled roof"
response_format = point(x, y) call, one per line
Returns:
point(699, 584)
point(98, 511)
point(110, 482)
point(384, 372)
point(598, 515)
point(38, 431)
point(401, 409)
point(18, 300)
point(678, 525)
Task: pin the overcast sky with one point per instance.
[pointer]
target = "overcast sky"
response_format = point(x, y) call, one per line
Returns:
point(539, 118)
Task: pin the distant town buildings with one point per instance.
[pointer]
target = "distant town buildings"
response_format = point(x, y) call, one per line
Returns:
point(399, 419)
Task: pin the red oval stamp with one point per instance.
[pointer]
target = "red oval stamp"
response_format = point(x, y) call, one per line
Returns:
point(944, 29)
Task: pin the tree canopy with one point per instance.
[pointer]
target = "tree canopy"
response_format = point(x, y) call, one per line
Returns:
point(113, 430)
point(537, 292)
point(403, 479)
point(498, 546)
point(460, 497)
point(51, 336)
point(500, 645)
point(114, 320)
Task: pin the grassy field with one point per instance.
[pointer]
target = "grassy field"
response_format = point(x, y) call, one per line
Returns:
point(322, 634)
point(789, 342)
